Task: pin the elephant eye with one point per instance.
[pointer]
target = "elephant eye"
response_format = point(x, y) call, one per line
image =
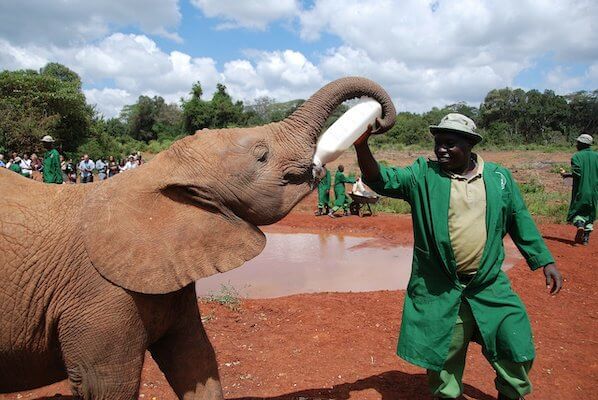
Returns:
point(261, 153)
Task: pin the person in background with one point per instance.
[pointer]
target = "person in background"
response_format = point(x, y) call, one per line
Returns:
point(584, 194)
point(131, 163)
point(36, 163)
point(324, 194)
point(63, 168)
point(2, 164)
point(15, 165)
point(26, 169)
point(86, 167)
point(112, 167)
point(102, 168)
point(461, 208)
point(340, 196)
point(51, 165)
point(71, 171)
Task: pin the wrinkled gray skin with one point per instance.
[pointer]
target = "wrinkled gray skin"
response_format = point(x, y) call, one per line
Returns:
point(93, 275)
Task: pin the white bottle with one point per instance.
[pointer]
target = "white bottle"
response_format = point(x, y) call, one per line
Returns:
point(346, 130)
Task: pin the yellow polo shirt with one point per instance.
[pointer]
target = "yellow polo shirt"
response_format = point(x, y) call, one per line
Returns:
point(467, 218)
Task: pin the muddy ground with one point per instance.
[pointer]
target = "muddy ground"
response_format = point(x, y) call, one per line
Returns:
point(342, 345)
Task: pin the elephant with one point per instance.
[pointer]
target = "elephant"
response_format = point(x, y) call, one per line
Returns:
point(94, 275)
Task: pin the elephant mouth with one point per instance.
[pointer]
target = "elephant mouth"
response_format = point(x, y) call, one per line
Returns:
point(308, 176)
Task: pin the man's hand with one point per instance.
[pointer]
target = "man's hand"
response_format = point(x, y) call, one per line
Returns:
point(363, 139)
point(554, 279)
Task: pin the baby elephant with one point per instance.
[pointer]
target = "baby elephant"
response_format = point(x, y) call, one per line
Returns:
point(110, 268)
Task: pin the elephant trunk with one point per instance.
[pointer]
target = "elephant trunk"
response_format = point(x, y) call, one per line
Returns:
point(311, 116)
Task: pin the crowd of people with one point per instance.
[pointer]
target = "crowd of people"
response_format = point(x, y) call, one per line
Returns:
point(55, 168)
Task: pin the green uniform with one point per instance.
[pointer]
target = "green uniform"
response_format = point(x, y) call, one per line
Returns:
point(435, 294)
point(584, 196)
point(324, 191)
point(52, 172)
point(340, 197)
point(15, 167)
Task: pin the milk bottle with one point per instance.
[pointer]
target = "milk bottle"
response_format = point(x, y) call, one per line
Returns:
point(346, 130)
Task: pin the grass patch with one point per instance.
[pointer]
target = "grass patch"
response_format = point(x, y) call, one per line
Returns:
point(228, 296)
point(556, 168)
point(390, 205)
point(553, 205)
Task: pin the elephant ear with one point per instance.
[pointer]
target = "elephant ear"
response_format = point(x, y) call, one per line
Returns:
point(152, 242)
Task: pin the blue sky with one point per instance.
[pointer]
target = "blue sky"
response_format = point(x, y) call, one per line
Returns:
point(423, 53)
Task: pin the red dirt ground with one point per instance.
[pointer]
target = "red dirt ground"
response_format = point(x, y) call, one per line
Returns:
point(342, 345)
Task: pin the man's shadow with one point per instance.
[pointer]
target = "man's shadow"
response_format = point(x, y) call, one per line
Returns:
point(392, 385)
point(561, 240)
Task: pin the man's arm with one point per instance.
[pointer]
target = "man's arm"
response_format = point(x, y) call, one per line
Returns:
point(524, 232)
point(367, 163)
point(387, 181)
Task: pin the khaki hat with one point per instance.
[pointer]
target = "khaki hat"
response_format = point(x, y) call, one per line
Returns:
point(585, 138)
point(459, 124)
point(48, 139)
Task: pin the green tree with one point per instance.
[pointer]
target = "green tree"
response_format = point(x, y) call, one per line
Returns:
point(151, 118)
point(197, 113)
point(34, 104)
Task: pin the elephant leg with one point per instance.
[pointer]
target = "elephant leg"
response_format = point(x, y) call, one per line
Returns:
point(103, 358)
point(187, 357)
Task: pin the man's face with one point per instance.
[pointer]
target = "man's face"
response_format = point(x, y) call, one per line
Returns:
point(452, 151)
point(85, 157)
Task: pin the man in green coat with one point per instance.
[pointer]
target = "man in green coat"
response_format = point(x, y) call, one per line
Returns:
point(340, 196)
point(584, 195)
point(51, 172)
point(324, 194)
point(462, 207)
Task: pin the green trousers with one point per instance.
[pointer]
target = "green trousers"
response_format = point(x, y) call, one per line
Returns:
point(511, 377)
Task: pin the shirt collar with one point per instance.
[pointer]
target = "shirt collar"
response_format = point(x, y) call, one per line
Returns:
point(472, 175)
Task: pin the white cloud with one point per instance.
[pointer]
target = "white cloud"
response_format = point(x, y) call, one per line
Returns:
point(283, 75)
point(66, 22)
point(247, 14)
point(456, 32)
point(424, 54)
point(109, 101)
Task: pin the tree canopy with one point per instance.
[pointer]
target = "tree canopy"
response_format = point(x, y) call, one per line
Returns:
point(51, 102)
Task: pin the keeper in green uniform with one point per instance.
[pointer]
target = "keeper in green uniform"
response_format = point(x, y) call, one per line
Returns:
point(324, 195)
point(462, 207)
point(51, 172)
point(584, 195)
point(340, 196)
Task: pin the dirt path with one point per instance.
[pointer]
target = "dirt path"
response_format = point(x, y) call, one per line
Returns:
point(342, 345)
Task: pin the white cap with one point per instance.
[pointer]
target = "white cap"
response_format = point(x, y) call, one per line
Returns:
point(47, 139)
point(585, 138)
point(457, 123)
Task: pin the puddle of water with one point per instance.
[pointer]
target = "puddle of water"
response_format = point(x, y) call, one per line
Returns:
point(311, 263)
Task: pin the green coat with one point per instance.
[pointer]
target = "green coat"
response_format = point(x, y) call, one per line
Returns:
point(52, 172)
point(15, 167)
point(340, 197)
point(434, 293)
point(584, 196)
point(324, 191)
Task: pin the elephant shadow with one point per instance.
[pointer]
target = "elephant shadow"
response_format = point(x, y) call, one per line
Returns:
point(391, 385)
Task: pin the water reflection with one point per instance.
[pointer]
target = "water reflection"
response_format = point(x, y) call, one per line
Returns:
point(308, 263)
